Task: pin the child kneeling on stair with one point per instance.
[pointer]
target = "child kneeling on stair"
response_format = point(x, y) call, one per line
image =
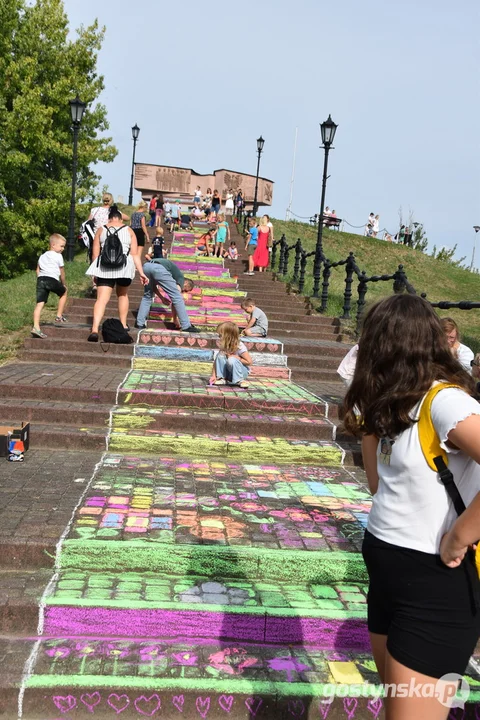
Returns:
point(233, 361)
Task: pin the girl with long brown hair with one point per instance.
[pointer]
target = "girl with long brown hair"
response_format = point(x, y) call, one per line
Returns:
point(423, 601)
point(461, 352)
point(233, 360)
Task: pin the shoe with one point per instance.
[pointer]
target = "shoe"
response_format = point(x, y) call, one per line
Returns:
point(191, 329)
point(93, 337)
point(140, 327)
point(251, 273)
point(220, 381)
point(36, 332)
point(60, 319)
point(127, 328)
point(243, 384)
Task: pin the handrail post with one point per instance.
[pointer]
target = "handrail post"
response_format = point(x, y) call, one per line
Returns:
point(283, 244)
point(273, 255)
point(362, 291)
point(296, 267)
point(347, 295)
point(303, 267)
point(326, 278)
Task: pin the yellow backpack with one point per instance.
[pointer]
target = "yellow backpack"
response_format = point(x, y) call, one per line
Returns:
point(436, 456)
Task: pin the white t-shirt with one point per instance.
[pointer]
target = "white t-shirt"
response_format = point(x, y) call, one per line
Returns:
point(346, 369)
point(465, 356)
point(411, 507)
point(50, 263)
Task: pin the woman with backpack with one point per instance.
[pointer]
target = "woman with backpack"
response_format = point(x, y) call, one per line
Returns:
point(115, 257)
point(410, 401)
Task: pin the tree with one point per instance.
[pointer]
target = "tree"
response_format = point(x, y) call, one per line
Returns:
point(446, 255)
point(41, 68)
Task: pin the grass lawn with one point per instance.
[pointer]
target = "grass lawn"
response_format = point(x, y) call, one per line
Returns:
point(17, 301)
point(439, 280)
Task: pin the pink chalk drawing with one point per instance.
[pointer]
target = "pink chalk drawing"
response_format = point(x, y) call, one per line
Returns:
point(232, 661)
point(203, 706)
point(296, 708)
point(226, 702)
point(202, 343)
point(90, 700)
point(178, 702)
point(191, 341)
point(325, 706)
point(253, 705)
point(118, 702)
point(273, 348)
point(375, 705)
point(187, 658)
point(288, 665)
point(166, 339)
point(179, 340)
point(148, 706)
point(65, 703)
point(112, 650)
point(350, 707)
point(146, 338)
point(260, 347)
point(58, 652)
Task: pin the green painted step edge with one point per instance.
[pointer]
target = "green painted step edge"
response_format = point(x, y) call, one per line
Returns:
point(278, 452)
point(202, 607)
point(305, 566)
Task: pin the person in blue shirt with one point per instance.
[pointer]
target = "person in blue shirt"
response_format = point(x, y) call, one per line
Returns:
point(251, 244)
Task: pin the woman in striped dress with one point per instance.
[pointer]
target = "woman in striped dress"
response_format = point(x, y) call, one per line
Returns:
point(109, 278)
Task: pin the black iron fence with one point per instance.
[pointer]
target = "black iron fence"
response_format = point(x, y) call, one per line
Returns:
point(281, 257)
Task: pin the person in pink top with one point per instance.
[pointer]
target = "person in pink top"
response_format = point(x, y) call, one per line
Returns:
point(261, 255)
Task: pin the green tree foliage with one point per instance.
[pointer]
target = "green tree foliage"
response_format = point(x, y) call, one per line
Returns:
point(446, 255)
point(41, 68)
point(419, 238)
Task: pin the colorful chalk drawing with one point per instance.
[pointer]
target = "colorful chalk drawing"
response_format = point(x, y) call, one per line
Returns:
point(212, 567)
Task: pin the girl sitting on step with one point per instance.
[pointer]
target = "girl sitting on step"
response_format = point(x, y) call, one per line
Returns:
point(233, 360)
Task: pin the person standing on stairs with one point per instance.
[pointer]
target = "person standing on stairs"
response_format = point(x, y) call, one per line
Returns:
point(261, 257)
point(216, 202)
point(233, 361)
point(229, 203)
point(116, 277)
point(138, 225)
point(410, 401)
point(221, 235)
point(166, 275)
point(50, 278)
point(251, 245)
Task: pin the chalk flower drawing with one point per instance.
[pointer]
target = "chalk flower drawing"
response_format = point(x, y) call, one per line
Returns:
point(58, 652)
point(187, 659)
point(232, 661)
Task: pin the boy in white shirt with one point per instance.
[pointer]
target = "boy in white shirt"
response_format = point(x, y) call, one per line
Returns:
point(50, 278)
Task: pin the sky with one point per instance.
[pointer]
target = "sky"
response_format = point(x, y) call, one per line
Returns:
point(400, 78)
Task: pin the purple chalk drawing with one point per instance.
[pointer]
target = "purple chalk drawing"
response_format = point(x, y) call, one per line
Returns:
point(185, 658)
point(325, 706)
point(65, 703)
point(178, 701)
point(90, 700)
point(58, 652)
point(296, 708)
point(203, 706)
point(226, 702)
point(148, 706)
point(232, 661)
point(287, 665)
point(253, 705)
point(375, 705)
point(350, 706)
point(118, 702)
point(477, 712)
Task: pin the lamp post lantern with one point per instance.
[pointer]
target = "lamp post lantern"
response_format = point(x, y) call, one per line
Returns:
point(476, 228)
point(328, 129)
point(77, 108)
point(260, 144)
point(135, 134)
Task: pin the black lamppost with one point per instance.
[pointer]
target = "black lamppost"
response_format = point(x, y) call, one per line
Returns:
point(77, 108)
point(135, 134)
point(260, 144)
point(476, 228)
point(328, 129)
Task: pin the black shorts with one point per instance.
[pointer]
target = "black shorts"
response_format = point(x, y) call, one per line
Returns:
point(140, 235)
point(429, 612)
point(111, 282)
point(46, 285)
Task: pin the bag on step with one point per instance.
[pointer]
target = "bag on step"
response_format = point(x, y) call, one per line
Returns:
point(114, 332)
point(112, 255)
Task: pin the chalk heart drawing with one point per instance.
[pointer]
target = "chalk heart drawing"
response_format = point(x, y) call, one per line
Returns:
point(156, 338)
point(202, 342)
point(325, 706)
point(203, 706)
point(253, 705)
point(166, 339)
point(178, 701)
point(90, 700)
point(118, 702)
point(179, 340)
point(65, 703)
point(296, 708)
point(260, 346)
point(191, 341)
point(148, 706)
point(375, 706)
point(226, 702)
point(146, 338)
point(273, 348)
point(350, 706)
